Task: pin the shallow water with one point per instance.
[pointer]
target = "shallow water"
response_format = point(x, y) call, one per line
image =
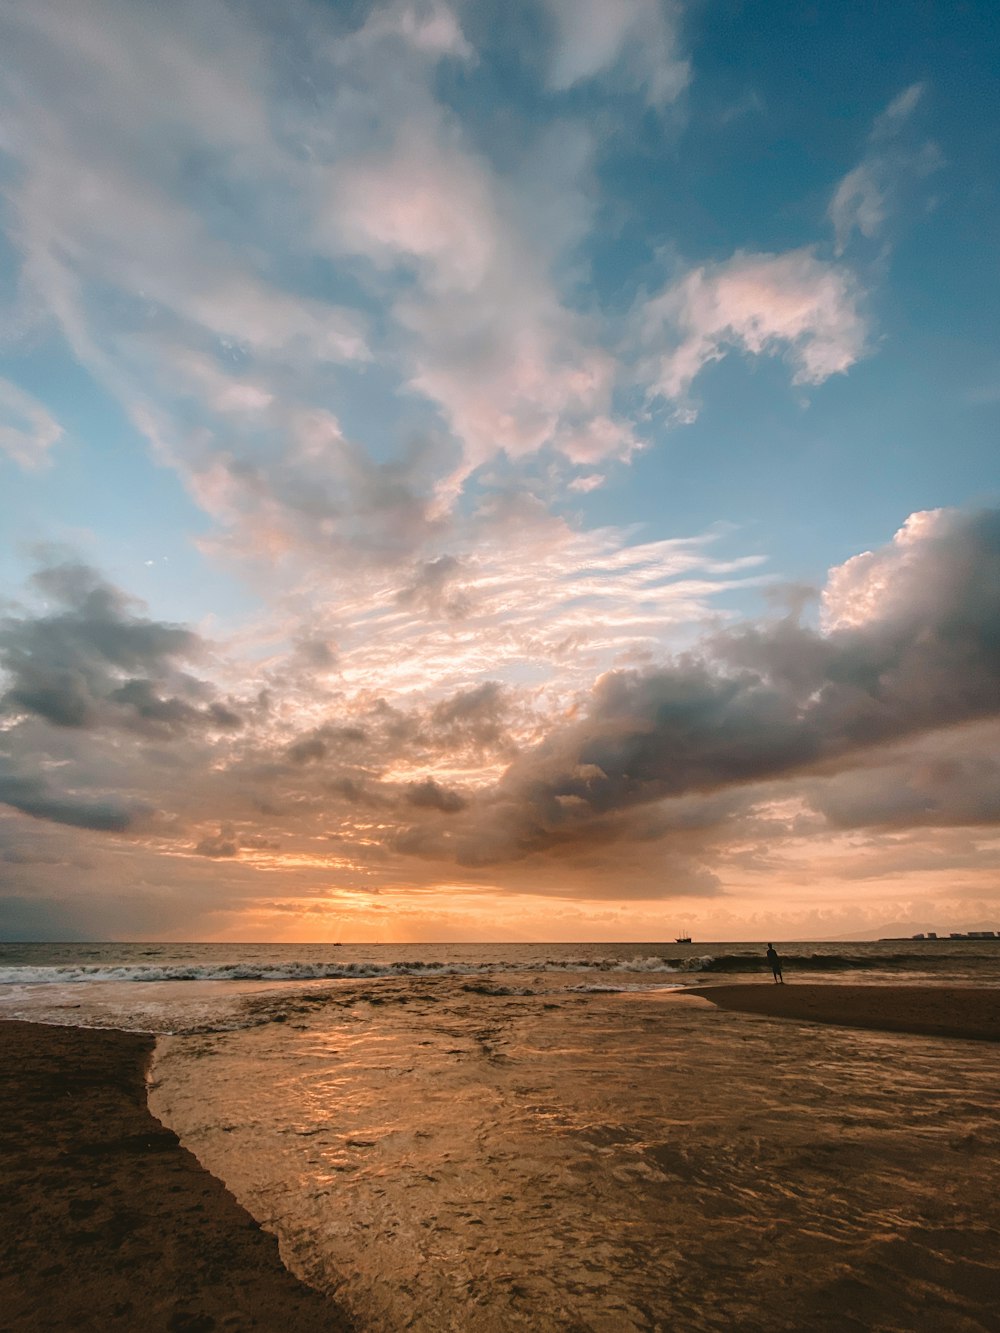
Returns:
point(447, 1158)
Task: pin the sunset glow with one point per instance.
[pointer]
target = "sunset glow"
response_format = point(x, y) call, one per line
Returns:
point(472, 473)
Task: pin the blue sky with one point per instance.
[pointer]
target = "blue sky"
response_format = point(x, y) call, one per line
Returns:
point(389, 390)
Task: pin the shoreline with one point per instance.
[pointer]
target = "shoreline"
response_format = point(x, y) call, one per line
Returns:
point(969, 1013)
point(107, 1221)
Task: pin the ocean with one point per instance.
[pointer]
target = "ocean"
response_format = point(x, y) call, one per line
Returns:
point(181, 987)
point(565, 1137)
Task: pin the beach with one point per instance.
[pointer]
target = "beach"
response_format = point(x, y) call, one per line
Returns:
point(963, 1012)
point(106, 1221)
point(454, 1155)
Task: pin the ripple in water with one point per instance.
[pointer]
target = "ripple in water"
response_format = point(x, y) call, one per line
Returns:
point(447, 1158)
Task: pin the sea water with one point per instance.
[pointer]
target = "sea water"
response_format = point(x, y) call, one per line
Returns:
point(566, 1137)
point(178, 986)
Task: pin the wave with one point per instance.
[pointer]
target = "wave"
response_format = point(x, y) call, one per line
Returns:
point(293, 971)
point(345, 971)
point(300, 971)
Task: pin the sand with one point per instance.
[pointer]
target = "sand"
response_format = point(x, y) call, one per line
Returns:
point(105, 1221)
point(932, 1011)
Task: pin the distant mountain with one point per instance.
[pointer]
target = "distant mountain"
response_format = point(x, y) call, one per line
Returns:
point(905, 929)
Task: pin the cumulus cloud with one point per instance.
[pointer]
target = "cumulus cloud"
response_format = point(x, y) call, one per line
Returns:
point(436, 587)
point(91, 660)
point(764, 702)
point(486, 333)
point(947, 780)
point(795, 305)
point(432, 796)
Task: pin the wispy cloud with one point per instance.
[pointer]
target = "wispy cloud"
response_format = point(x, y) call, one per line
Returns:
point(28, 430)
point(634, 43)
point(870, 192)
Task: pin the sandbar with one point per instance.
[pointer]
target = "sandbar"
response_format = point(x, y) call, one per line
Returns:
point(106, 1222)
point(971, 1012)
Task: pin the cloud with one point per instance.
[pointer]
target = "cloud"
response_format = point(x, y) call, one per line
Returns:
point(951, 779)
point(229, 243)
point(295, 236)
point(430, 27)
point(362, 325)
point(758, 746)
point(865, 197)
point(92, 661)
point(633, 43)
point(429, 795)
point(766, 702)
point(32, 796)
point(223, 844)
point(485, 333)
point(326, 740)
point(27, 429)
point(106, 155)
point(433, 588)
point(795, 305)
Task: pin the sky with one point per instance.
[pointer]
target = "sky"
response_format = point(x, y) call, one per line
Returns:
point(498, 471)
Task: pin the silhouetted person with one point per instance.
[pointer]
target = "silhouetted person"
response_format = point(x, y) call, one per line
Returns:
point(775, 961)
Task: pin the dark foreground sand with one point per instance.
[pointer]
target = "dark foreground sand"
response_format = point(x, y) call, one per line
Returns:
point(934, 1011)
point(105, 1221)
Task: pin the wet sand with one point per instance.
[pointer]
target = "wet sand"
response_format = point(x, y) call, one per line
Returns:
point(106, 1222)
point(932, 1011)
point(453, 1157)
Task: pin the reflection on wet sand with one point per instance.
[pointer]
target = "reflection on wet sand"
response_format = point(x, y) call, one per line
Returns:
point(448, 1159)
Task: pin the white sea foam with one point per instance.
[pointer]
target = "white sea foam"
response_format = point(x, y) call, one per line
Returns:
point(303, 971)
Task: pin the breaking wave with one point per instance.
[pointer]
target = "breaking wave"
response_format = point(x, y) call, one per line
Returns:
point(301, 971)
point(347, 971)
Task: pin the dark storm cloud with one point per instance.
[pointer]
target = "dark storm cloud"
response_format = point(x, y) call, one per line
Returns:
point(768, 701)
point(33, 797)
point(430, 795)
point(325, 741)
point(91, 661)
point(223, 844)
point(475, 718)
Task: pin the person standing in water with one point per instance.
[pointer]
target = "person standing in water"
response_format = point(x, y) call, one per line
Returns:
point(775, 961)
